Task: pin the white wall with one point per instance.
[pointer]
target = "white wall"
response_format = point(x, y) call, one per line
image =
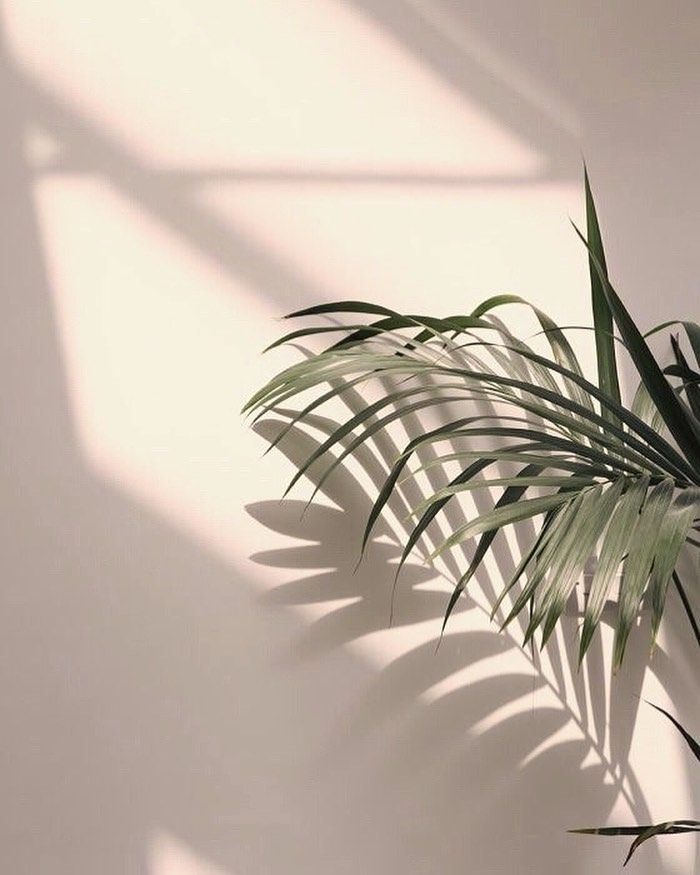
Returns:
point(195, 680)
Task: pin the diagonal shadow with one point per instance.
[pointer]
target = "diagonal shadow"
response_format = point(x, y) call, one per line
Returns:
point(468, 733)
point(171, 197)
point(436, 34)
point(140, 675)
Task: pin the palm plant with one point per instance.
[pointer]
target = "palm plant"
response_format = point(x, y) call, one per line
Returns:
point(607, 482)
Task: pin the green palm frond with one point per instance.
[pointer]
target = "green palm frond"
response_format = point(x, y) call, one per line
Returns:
point(598, 478)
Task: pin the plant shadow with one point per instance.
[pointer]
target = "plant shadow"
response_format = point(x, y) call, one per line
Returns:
point(480, 720)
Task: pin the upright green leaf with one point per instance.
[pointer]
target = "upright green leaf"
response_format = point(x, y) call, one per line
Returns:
point(602, 316)
point(691, 378)
point(661, 391)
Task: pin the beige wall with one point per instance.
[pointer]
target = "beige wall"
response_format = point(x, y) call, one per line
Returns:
point(194, 680)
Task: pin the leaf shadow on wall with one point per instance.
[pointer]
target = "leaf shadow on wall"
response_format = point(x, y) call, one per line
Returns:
point(490, 742)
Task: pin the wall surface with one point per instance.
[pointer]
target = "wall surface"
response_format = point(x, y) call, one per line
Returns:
point(195, 682)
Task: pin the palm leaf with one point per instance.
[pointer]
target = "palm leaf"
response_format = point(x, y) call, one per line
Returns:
point(614, 547)
point(642, 550)
point(690, 378)
point(594, 513)
point(673, 531)
point(511, 495)
point(643, 833)
point(618, 479)
point(554, 533)
point(602, 316)
point(502, 516)
point(682, 427)
point(691, 742)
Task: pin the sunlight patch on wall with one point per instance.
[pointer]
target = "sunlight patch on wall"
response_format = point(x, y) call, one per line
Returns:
point(170, 856)
point(160, 349)
point(423, 249)
point(319, 87)
point(42, 149)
